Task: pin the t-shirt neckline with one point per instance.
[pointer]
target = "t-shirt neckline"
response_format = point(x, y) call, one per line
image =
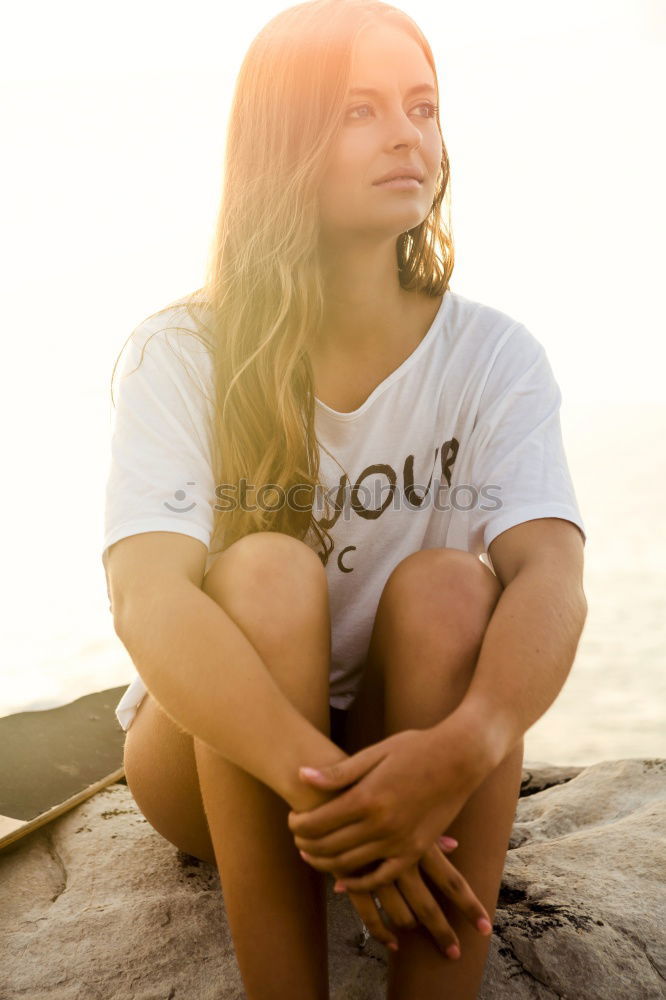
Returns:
point(410, 360)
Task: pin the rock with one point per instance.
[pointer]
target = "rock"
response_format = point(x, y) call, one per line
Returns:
point(98, 905)
point(537, 776)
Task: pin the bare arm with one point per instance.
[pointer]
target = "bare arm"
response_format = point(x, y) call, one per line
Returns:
point(530, 642)
point(210, 680)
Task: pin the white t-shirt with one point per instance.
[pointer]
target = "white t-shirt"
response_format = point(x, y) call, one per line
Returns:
point(461, 442)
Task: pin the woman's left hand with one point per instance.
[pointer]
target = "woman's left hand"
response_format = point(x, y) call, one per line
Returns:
point(403, 796)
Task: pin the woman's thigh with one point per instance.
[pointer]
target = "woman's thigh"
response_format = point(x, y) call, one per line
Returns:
point(161, 774)
point(159, 759)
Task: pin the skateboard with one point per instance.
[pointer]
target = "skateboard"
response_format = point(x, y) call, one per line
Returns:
point(53, 759)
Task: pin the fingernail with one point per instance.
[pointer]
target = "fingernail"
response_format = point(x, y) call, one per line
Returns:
point(310, 772)
point(448, 842)
point(393, 946)
point(306, 857)
point(484, 926)
point(339, 887)
point(453, 951)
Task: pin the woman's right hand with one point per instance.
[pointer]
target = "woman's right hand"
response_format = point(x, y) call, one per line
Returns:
point(408, 901)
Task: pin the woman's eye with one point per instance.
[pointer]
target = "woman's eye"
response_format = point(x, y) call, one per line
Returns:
point(359, 107)
point(432, 109)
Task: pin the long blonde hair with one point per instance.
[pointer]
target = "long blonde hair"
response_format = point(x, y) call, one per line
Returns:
point(263, 298)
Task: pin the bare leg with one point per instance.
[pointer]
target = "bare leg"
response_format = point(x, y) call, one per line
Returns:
point(482, 830)
point(426, 639)
point(275, 902)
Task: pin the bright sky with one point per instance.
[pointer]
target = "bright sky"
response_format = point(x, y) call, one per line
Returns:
point(114, 123)
point(113, 119)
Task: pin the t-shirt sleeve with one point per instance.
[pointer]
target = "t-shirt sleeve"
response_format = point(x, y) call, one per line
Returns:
point(160, 476)
point(519, 469)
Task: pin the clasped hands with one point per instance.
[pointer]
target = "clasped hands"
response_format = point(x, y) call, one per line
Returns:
point(397, 798)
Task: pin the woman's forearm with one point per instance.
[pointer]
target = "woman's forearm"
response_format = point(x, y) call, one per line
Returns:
point(208, 677)
point(525, 657)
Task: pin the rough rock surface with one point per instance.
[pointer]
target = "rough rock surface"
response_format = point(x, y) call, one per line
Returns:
point(98, 905)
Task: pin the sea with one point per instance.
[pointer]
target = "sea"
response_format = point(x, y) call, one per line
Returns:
point(59, 642)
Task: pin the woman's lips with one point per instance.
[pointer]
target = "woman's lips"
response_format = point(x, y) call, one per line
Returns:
point(400, 184)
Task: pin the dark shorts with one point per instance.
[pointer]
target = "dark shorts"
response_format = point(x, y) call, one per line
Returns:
point(338, 717)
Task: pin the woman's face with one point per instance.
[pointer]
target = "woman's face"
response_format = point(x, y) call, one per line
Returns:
point(394, 127)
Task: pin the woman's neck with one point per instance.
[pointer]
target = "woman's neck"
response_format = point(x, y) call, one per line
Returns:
point(364, 328)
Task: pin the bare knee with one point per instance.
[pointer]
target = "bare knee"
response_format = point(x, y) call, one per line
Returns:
point(277, 575)
point(439, 602)
point(445, 587)
point(275, 588)
point(267, 557)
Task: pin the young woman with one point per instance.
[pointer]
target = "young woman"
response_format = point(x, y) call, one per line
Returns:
point(340, 529)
